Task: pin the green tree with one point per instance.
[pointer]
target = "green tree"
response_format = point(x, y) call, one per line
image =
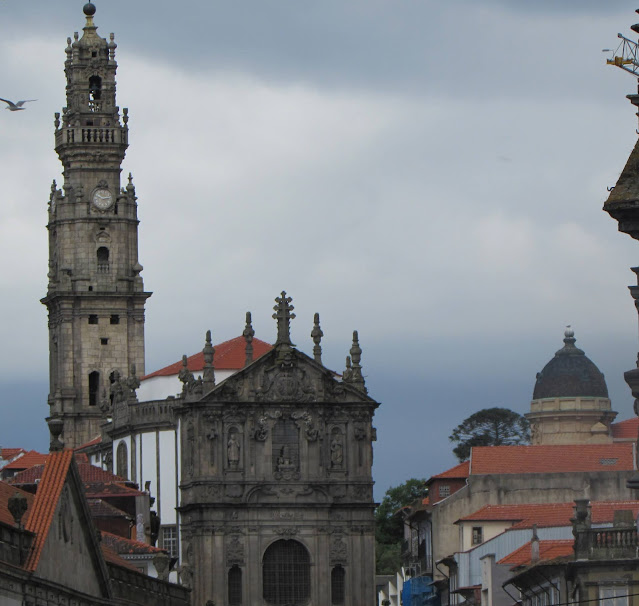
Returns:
point(389, 531)
point(489, 427)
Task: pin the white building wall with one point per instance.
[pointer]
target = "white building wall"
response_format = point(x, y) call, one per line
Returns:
point(168, 477)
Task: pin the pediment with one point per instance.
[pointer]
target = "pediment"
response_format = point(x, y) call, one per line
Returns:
point(286, 375)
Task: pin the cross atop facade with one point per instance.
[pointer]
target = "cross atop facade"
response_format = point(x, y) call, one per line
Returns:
point(283, 314)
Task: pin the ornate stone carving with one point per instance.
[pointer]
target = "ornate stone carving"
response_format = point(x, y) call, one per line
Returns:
point(260, 432)
point(310, 430)
point(190, 385)
point(233, 448)
point(285, 531)
point(286, 382)
point(338, 550)
point(359, 431)
point(234, 551)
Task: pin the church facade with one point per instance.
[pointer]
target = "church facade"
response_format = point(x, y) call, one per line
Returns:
point(263, 475)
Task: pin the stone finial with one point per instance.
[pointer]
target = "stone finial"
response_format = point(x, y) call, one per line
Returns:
point(316, 335)
point(112, 46)
point(356, 356)
point(283, 314)
point(347, 375)
point(534, 546)
point(208, 374)
point(132, 384)
point(56, 425)
point(248, 335)
point(130, 188)
point(161, 561)
point(17, 505)
point(125, 115)
point(190, 385)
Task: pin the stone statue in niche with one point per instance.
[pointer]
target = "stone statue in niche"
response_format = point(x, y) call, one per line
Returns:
point(233, 450)
point(337, 451)
point(285, 461)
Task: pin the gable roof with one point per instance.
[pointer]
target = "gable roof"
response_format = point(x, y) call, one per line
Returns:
point(102, 509)
point(458, 472)
point(123, 546)
point(229, 355)
point(548, 550)
point(556, 458)
point(6, 492)
point(628, 429)
point(9, 453)
point(28, 459)
point(46, 501)
point(89, 474)
point(548, 514)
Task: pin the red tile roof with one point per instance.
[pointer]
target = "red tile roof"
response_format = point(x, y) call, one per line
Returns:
point(99, 490)
point(89, 474)
point(102, 509)
point(230, 355)
point(90, 443)
point(548, 550)
point(549, 514)
point(8, 453)
point(552, 458)
point(626, 429)
point(123, 546)
point(459, 471)
point(113, 558)
point(6, 492)
point(28, 459)
point(46, 501)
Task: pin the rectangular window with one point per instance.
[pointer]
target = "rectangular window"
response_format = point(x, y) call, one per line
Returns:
point(444, 490)
point(170, 541)
point(93, 319)
point(613, 595)
point(478, 535)
point(115, 319)
point(104, 341)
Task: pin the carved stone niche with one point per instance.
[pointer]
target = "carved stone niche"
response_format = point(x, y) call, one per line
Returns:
point(234, 454)
point(338, 553)
point(235, 550)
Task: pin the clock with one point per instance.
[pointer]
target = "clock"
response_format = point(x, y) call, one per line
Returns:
point(102, 198)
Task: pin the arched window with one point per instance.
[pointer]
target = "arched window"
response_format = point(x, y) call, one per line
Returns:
point(103, 259)
point(338, 586)
point(94, 387)
point(95, 93)
point(235, 586)
point(286, 574)
point(122, 457)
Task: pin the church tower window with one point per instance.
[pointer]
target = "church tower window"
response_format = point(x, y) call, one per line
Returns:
point(95, 93)
point(235, 586)
point(286, 574)
point(103, 260)
point(122, 458)
point(94, 387)
point(338, 586)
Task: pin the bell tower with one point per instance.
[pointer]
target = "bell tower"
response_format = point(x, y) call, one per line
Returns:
point(95, 296)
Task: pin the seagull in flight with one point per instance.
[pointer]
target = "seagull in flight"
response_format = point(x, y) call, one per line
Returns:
point(17, 106)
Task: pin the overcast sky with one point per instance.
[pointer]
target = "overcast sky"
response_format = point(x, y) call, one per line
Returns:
point(429, 173)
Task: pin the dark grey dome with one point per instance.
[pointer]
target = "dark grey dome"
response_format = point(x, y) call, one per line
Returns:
point(89, 9)
point(570, 374)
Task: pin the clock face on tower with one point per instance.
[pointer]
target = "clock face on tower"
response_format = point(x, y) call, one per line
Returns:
point(102, 198)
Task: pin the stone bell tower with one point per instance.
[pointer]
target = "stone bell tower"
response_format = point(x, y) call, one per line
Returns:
point(95, 296)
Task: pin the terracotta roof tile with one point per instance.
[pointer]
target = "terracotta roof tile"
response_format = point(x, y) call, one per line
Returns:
point(9, 453)
point(548, 550)
point(102, 509)
point(548, 514)
point(229, 355)
point(46, 500)
point(93, 442)
point(99, 490)
point(113, 558)
point(459, 471)
point(89, 474)
point(626, 429)
point(28, 459)
point(552, 458)
point(123, 546)
point(6, 492)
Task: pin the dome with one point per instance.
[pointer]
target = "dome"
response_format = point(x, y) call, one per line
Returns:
point(570, 374)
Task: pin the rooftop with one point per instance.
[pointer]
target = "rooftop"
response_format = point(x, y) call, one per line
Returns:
point(555, 458)
point(628, 429)
point(548, 550)
point(230, 355)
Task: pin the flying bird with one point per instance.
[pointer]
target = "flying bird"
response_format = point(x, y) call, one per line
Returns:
point(17, 106)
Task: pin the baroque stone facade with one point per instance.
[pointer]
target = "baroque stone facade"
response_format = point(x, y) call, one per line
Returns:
point(95, 296)
point(276, 475)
